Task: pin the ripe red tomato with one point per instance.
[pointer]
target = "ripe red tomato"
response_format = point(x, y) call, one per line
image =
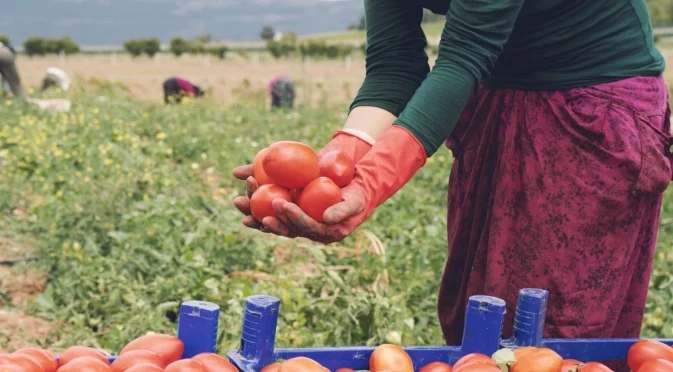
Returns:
point(538, 360)
point(644, 350)
point(85, 364)
point(260, 203)
point(337, 166)
point(81, 351)
point(593, 367)
point(132, 357)
point(345, 370)
point(258, 170)
point(571, 365)
point(471, 358)
point(10, 368)
point(317, 196)
point(291, 164)
point(477, 366)
point(186, 365)
point(43, 357)
point(26, 362)
point(390, 357)
point(145, 367)
point(295, 194)
point(436, 367)
point(656, 365)
point(169, 348)
point(301, 364)
point(215, 363)
point(273, 367)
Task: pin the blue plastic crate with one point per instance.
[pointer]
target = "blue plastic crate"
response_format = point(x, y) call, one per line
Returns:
point(483, 330)
point(529, 319)
point(197, 328)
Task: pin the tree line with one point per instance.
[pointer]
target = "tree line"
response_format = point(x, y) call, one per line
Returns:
point(178, 46)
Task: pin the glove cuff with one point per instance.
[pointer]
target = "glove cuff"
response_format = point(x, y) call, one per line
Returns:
point(389, 165)
point(358, 134)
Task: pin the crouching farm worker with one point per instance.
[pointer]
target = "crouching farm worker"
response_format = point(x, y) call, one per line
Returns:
point(176, 88)
point(559, 122)
point(281, 90)
point(8, 72)
point(55, 77)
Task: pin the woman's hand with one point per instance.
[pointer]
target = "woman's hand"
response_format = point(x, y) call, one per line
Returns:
point(242, 203)
point(340, 219)
point(390, 164)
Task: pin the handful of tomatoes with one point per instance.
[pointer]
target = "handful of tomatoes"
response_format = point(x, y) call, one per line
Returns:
point(291, 171)
point(150, 353)
point(392, 358)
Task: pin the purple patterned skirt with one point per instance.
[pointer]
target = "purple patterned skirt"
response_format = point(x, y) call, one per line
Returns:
point(560, 191)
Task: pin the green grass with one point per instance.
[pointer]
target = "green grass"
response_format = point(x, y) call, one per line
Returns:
point(130, 205)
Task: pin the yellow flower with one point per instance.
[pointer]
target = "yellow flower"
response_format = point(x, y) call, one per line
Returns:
point(204, 156)
point(86, 179)
point(107, 161)
point(161, 135)
point(195, 166)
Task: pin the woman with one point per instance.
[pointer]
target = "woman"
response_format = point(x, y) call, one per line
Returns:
point(8, 73)
point(175, 88)
point(281, 90)
point(557, 115)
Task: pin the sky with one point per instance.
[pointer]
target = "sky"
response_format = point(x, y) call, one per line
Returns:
point(110, 22)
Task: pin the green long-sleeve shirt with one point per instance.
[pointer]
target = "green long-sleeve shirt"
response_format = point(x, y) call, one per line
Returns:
point(519, 44)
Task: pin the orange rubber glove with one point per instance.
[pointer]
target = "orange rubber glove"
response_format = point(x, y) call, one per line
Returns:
point(354, 144)
point(391, 163)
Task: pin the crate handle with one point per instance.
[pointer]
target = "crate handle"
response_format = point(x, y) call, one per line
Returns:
point(197, 327)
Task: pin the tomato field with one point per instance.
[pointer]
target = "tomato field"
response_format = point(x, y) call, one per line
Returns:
point(125, 208)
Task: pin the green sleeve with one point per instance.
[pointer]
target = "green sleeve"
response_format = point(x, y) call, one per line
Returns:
point(475, 33)
point(396, 58)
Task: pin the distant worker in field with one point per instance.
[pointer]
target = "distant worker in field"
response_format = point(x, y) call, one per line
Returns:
point(55, 77)
point(281, 90)
point(8, 72)
point(176, 88)
point(558, 117)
